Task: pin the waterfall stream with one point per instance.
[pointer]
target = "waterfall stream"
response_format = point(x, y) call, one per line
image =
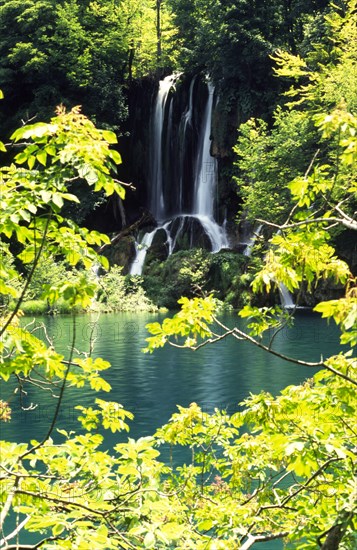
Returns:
point(251, 241)
point(187, 196)
point(185, 125)
point(157, 204)
point(206, 181)
point(141, 251)
point(206, 167)
point(286, 297)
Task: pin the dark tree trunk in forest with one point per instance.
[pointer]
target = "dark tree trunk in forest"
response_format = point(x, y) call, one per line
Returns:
point(336, 533)
point(131, 60)
point(158, 31)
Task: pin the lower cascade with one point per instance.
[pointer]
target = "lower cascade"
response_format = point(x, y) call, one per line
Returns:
point(286, 297)
point(250, 241)
point(183, 176)
point(137, 266)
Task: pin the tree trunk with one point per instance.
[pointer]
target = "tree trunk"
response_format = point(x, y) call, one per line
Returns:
point(336, 533)
point(158, 31)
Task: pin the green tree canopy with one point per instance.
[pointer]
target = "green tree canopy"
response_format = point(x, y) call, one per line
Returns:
point(282, 468)
point(78, 52)
point(267, 159)
point(232, 41)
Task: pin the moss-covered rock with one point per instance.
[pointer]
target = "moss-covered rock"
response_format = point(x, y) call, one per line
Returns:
point(122, 253)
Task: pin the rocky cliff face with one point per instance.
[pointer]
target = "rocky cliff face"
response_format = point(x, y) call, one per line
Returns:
point(177, 153)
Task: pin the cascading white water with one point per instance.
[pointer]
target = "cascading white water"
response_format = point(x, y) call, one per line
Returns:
point(187, 117)
point(142, 248)
point(206, 167)
point(251, 241)
point(141, 251)
point(216, 234)
point(157, 205)
point(205, 184)
point(185, 124)
point(204, 178)
point(286, 297)
point(170, 241)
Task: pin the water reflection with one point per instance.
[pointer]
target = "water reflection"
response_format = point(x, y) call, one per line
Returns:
point(152, 385)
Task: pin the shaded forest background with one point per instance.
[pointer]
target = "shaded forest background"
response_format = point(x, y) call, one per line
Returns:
point(108, 57)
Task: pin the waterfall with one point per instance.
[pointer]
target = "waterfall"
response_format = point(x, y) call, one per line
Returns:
point(170, 240)
point(157, 205)
point(251, 241)
point(95, 269)
point(215, 232)
point(142, 248)
point(285, 297)
point(185, 125)
point(183, 175)
point(141, 251)
point(205, 183)
point(206, 167)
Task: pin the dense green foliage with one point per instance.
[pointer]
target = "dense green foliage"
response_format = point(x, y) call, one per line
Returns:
point(283, 467)
point(233, 41)
point(77, 52)
point(115, 291)
point(88, 52)
point(195, 272)
point(268, 159)
point(119, 293)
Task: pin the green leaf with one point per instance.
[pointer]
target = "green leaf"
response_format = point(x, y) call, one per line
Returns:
point(97, 383)
point(46, 196)
point(172, 530)
point(57, 529)
point(294, 446)
point(109, 136)
point(70, 197)
point(21, 157)
point(115, 156)
point(31, 162)
point(42, 157)
point(206, 525)
point(104, 261)
point(34, 131)
point(149, 540)
point(57, 199)
point(31, 208)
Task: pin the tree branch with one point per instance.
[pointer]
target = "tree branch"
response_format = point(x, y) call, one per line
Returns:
point(346, 221)
point(252, 539)
point(239, 334)
point(30, 546)
point(15, 531)
point(302, 487)
point(60, 398)
point(28, 280)
point(336, 533)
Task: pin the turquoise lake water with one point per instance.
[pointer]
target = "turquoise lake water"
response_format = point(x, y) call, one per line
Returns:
point(151, 386)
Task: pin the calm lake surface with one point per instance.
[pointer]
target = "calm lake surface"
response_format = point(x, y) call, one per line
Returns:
point(151, 386)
